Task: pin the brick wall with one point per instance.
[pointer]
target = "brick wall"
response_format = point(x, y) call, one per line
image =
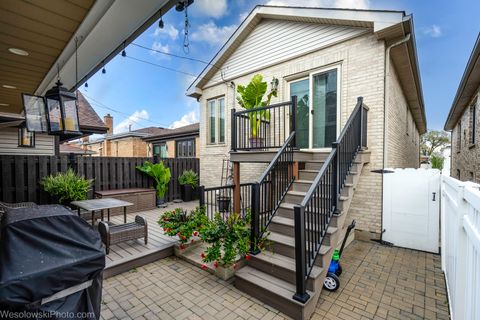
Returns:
point(361, 62)
point(465, 157)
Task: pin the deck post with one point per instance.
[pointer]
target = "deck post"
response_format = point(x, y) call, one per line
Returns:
point(236, 187)
point(301, 294)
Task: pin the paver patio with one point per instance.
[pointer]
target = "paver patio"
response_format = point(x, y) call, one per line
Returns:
point(378, 282)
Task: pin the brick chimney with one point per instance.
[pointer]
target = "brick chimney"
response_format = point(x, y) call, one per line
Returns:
point(108, 120)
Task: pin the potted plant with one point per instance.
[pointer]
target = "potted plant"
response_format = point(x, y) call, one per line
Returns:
point(66, 187)
point(251, 97)
point(189, 181)
point(161, 175)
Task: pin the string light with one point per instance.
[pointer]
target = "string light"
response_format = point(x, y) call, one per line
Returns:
point(163, 67)
point(86, 84)
point(104, 70)
point(160, 23)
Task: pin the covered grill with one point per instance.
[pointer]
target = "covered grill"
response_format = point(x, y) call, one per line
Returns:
point(51, 262)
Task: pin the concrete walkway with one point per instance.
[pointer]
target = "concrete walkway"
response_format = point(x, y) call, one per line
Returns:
point(378, 282)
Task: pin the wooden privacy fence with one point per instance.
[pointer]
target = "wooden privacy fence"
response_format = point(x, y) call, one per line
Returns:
point(21, 175)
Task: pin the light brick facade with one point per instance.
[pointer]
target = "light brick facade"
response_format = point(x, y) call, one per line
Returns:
point(465, 154)
point(361, 62)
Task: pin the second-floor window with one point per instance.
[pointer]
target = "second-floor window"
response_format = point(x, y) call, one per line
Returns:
point(459, 136)
point(216, 120)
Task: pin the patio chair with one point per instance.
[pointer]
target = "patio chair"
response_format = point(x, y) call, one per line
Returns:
point(112, 234)
point(4, 206)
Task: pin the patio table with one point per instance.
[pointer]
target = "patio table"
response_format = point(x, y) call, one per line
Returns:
point(102, 204)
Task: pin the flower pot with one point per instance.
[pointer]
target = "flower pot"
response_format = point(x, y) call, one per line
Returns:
point(161, 202)
point(223, 204)
point(187, 192)
point(257, 142)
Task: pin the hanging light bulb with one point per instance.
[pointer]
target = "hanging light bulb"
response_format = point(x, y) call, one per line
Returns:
point(86, 84)
point(124, 54)
point(160, 23)
point(104, 71)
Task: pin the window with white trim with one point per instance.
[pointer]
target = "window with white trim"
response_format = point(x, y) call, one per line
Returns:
point(216, 120)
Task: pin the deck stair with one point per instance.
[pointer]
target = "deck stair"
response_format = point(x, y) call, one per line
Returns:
point(302, 215)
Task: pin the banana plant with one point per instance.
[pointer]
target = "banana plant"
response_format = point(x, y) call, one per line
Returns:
point(251, 97)
point(159, 173)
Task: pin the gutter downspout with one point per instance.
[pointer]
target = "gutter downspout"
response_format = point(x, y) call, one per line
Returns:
point(385, 113)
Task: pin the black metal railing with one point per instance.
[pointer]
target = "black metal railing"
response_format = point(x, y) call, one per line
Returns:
point(263, 128)
point(220, 199)
point(271, 188)
point(313, 215)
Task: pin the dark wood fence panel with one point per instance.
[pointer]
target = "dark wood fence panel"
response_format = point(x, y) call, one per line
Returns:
point(21, 175)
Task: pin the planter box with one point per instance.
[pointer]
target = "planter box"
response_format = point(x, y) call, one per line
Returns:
point(192, 254)
point(187, 247)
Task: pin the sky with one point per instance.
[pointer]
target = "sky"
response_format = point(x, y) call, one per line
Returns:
point(148, 94)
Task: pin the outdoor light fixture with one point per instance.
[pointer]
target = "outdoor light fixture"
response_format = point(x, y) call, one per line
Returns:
point(55, 113)
point(18, 52)
point(4, 104)
point(86, 84)
point(181, 5)
point(103, 70)
point(7, 86)
point(160, 23)
point(124, 54)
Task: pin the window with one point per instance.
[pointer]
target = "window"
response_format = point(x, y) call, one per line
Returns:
point(472, 125)
point(458, 174)
point(160, 150)
point(186, 148)
point(26, 138)
point(216, 120)
point(407, 121)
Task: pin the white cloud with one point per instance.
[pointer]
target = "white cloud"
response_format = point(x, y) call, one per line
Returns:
point(189, 118)
point(131, 120)
point(209, 8)
point(162, 48)
point(353, 4)
point(213, 34)
point(242, 16)
point(433, 31)
point(169, 31)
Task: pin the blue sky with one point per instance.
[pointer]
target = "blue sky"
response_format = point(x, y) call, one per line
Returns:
point(146, 95)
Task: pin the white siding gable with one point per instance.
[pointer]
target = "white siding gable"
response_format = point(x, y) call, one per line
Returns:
point(274, 41)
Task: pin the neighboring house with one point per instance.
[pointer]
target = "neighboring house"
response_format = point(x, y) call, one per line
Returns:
point(68, 149)
point(463, 121)
point(352, 53)
point(17, 140)
point(182, 142)
point(124, 144)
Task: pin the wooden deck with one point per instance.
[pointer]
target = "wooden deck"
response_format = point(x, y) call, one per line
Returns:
point(131, 254)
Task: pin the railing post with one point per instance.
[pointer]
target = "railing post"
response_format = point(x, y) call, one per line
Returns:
point(201, 191)
point(293, 125)
point(362, 124)
point(336, 176)
point(300, 266)
point(233, 130)
point(255, 222)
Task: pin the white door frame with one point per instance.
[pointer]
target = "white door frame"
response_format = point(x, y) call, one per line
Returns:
point(311, 74)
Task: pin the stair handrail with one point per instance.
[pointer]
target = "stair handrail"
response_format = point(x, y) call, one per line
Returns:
point(263, 212)
point(325, 190)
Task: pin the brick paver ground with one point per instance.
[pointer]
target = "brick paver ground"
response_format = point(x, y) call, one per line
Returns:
point(378, 282)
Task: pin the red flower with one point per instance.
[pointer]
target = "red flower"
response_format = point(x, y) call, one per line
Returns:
point(165, 229)
point(195, 233)
point(192, 241)
point(202, 255)
point(183, 237)
point(204, 266)
point(235, 266)
point(248, 257)
point(215, 264)
point(182, 246)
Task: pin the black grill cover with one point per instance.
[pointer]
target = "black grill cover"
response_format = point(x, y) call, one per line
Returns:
point(43, 251)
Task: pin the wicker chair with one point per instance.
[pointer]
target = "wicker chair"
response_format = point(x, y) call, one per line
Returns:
point(112, 234)
point(4, 206)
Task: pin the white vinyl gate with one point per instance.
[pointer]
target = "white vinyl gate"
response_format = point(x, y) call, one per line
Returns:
point(411, 208)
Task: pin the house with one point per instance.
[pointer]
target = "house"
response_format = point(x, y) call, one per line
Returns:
point(327, 58)
point(463, 122)
point(182, 142)
point(17, 140)
point(124, 144)
point(69, 148)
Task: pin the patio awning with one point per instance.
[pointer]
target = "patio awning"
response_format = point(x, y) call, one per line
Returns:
point(45, 32)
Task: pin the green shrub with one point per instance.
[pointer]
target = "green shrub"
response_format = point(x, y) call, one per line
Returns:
point(189, 178)
point(183, 224)
point(159, 173)
point(437, 161)
point(67, 186)
point(227, 239)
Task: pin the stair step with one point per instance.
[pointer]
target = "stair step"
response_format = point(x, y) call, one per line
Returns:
point(271, 290)
point(291, 223)
point(286, 226)
point(285, 245)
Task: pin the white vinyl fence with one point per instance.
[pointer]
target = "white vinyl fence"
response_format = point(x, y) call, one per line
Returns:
point(460, 234)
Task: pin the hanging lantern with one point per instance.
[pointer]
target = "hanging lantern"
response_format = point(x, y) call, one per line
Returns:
point(56, 113)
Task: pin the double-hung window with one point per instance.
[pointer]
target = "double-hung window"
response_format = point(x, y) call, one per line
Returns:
point(472, 123)
point(216, 120)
